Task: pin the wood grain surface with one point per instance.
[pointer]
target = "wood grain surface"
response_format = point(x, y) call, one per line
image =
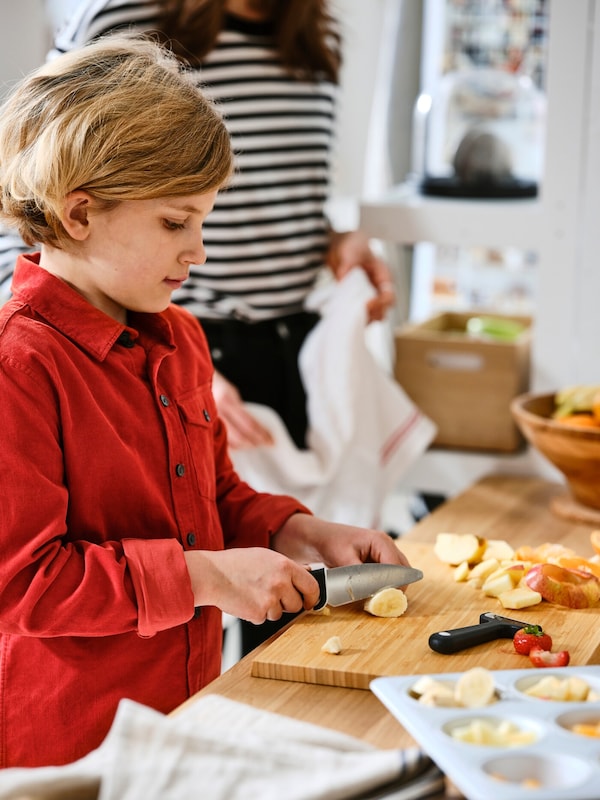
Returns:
point(374, 646)
point(514, 507)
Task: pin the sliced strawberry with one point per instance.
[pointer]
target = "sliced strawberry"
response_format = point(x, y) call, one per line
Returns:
point(531, 636)
point(544, 658)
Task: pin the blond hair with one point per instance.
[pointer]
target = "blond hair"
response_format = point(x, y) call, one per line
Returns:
point(117, 118)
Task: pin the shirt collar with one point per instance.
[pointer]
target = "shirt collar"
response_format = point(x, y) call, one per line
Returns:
point(69, 312)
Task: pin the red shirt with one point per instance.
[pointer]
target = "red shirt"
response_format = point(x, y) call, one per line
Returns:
point(114, 462)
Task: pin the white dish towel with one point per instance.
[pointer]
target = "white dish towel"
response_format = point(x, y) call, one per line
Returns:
point(219, 749)
point(364, 431)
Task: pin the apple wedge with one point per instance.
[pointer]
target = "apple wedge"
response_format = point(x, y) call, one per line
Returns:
point(484, 569)
point(497, 584)
point(454, 548)
point(498, 549)
point(519, 597)
point(461, 572)
point(571, 588)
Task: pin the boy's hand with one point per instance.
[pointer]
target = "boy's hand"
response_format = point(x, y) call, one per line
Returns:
point(252, 583)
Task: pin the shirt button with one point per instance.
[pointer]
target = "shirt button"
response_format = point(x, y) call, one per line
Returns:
point(206, 415)
point(164, 400)
point(180, 470)
point(191, 539)
point(125, 339)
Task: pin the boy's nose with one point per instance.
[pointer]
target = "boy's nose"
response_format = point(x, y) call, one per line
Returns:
point(195, 254)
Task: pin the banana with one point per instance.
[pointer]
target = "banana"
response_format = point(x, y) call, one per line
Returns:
point(475, 688)
point(333, 645)
point(494, 734)
point(388, 602)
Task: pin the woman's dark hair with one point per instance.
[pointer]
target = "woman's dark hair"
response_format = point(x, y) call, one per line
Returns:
point(305, 32)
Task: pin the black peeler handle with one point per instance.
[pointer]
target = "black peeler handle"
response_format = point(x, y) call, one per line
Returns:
point(491, 627)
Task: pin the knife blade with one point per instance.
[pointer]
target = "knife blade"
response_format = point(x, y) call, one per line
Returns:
point(341, 585)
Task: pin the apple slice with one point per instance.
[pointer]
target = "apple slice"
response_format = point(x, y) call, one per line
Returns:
point(484, 569)
point(461, 572)
point(453, 548)
point(498, 584)
point(519, 597)
point(565, 587)
point(498, 549)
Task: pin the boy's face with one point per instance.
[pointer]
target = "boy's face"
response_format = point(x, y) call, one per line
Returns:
point(135, 255)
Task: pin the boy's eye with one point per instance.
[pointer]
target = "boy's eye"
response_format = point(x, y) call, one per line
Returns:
point(173, 226)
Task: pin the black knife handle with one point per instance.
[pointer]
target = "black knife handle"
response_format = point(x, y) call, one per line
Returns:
point(452, 641)
point(319, 576)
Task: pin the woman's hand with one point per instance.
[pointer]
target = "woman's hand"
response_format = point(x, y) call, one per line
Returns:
point(352, 249)
point(252, 583)
point(243, 430)
point(308, 539)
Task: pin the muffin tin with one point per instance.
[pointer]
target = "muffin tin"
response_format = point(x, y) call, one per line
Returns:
point(560, 764)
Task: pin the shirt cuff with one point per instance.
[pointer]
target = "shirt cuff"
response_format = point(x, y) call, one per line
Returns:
point(161, 583)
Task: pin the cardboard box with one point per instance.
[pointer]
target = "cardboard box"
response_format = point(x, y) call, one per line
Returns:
point(465, 383)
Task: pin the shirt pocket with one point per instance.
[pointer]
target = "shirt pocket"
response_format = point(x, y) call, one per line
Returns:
point(198, 412)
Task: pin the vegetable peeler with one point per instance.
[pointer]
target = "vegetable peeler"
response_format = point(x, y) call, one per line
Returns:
point(491, 626)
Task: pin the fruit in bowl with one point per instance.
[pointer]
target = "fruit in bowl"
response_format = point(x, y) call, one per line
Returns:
point(573, 448)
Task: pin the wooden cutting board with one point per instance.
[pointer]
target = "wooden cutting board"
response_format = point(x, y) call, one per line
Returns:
point(374, 647)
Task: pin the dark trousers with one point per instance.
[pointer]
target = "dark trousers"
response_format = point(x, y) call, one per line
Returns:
point(261, 360)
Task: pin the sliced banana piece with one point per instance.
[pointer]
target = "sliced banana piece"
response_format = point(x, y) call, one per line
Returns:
point(475, 688)
point(333, 645)
point(439, 696)
point(388, 602)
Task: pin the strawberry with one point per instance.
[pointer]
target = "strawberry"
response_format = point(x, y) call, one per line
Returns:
point(544, 658)
point(531, 636)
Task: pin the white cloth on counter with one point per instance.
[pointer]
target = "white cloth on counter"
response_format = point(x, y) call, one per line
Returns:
point(220, 749)
point(364, 431)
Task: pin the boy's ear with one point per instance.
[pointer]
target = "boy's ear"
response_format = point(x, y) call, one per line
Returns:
point(75, 214)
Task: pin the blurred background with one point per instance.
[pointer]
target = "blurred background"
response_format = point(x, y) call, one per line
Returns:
point(469, 148)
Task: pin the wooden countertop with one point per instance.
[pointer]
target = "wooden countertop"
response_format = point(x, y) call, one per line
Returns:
point(497, 507)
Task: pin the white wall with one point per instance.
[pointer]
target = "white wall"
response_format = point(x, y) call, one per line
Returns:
point(363, 25)
point(24, 39)
point(380, 82)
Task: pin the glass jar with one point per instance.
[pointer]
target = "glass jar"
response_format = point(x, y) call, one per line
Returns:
point(482, 135)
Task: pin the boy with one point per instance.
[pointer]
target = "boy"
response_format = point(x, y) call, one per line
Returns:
point(123, 528)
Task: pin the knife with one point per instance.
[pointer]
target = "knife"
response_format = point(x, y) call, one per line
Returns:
point(491, 626)
point(341, 585)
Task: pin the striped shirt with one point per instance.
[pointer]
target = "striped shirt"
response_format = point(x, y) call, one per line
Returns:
point(266, 237)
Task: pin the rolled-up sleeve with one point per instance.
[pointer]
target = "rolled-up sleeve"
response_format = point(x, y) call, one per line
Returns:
point(161, 583)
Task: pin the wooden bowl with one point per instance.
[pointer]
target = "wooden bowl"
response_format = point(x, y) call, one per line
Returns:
point(574, 450)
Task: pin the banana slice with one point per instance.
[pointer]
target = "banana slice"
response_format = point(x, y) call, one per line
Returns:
point(439, 696)
point(333, 645)
point(388, 602)
point(475, 688)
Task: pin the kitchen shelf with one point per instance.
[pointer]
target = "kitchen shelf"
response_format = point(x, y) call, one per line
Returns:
point(560, 226)
point(407, 217)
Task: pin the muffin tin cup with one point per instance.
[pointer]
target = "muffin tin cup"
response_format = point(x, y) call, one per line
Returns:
point(557, 765)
